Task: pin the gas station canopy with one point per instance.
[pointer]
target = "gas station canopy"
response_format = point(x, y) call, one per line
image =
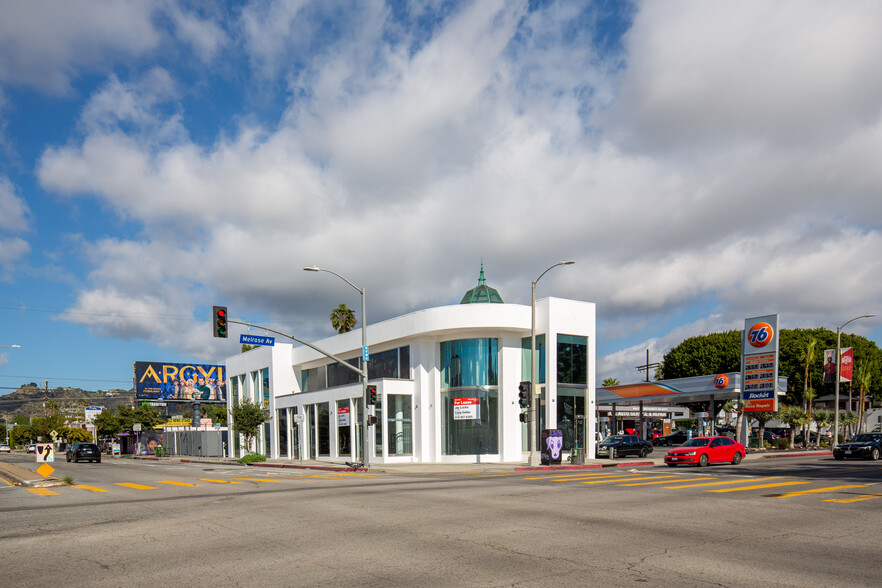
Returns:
point(679, 390)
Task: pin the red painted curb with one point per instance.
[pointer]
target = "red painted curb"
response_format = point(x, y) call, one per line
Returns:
point(804, 454)
point(632, 463)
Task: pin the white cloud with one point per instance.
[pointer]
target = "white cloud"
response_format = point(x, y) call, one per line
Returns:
point(696, 174)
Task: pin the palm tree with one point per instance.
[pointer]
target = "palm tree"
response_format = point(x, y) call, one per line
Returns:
point(847, 419)
point(863, 381)
point(808, 356)
point(343, 319)
point(611, 382)
point(737, 407)
point(793, 416)
point(822, 418)
point(762, 418)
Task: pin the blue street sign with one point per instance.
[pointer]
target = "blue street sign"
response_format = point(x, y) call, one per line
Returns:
point(364, 354)
point(257, 340)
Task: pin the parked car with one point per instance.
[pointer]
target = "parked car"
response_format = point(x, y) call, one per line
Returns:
point(725, 431)
point(620, 445)
point(782, 432)
point(675, 438)
point(706, 450)
point(32, 448)
point(79, 451)
point(865, 445)
point(4, 448)
point(813, 437)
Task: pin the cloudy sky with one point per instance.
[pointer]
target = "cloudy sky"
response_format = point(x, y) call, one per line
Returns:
point(701, 162)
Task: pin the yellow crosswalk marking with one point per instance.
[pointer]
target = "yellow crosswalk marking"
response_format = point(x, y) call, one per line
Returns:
point(667, 481)
point(258, 479)
point(757, 486)
point(574, 478)
point(830, 489)
point(740, 481)
point(89, 488)
point(218, 481)
point(173, 483)
point(136, 486)
point(858, 499)
point(620, 479)
point(42, 492)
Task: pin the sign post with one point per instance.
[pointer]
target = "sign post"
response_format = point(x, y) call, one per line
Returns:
point(759, 364)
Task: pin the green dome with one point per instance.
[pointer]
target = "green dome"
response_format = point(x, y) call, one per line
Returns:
point(482, 292)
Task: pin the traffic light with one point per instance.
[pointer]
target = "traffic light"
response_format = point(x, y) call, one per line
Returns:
point(524, 394)
point(219, 321)
point(523, 417)
point(371, 395)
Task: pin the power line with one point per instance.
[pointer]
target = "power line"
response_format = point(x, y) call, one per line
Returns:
point(56, 378)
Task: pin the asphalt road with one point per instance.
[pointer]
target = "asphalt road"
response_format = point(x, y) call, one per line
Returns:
point(783, 522)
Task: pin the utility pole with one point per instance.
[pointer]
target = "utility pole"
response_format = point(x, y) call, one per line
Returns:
point(647, 366)
point(46, 399)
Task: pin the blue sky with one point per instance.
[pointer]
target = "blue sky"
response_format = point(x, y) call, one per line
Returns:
point(700, 162)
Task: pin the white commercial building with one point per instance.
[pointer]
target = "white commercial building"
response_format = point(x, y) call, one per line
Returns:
point(447, 384)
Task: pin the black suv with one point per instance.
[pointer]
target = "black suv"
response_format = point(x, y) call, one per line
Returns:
point(865, 445)
point(79, 451)
point(619, 445)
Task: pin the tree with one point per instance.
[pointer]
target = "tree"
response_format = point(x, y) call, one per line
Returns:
point(808, 357)
point(703, 355)
point(793, 416)
point(75, 434)
point(822, 418)
point(762, 418)
point(862, 379)
point(737, 407)
point(217, 413)
point(848, 419)
point(611, 382)
point(247, 419)
point(343, 319)
point(247, 347)
point(108, 424)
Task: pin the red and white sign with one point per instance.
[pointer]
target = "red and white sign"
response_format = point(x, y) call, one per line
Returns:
point(343, 416)
point(465, 409)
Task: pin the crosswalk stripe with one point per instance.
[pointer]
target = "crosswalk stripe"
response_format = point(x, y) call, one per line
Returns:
point(136, 486)
point(89, 488)
point(42, 492)
point(742, 480)
point(589, 477)
point(218, 481)
point(858, 499)
point(173, 483)
point(258, 479)
point(627, 479)
point(668, 481)
point(830, 489)
point(757, 486)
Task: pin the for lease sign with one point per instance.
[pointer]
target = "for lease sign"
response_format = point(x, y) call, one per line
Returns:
point(466, 409)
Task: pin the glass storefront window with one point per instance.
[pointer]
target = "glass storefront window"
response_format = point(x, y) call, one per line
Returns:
point(283, 431)
point(323, 425)
point(570, 403)
point(314, 379)
point(469, 362)
point(344, 428)
point(340, 375)
point(399, 425)
point(540, 358)
point(469, 421)
point(378, 428)
point(572, 359)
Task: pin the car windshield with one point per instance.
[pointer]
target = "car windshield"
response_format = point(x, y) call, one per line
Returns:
point(862, 438)
point(697, 442)
point(88, 447)
point(614, 438)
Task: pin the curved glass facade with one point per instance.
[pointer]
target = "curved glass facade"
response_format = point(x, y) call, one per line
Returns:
point(469, 397)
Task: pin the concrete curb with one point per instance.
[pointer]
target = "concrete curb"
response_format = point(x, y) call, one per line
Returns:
point(21, 476)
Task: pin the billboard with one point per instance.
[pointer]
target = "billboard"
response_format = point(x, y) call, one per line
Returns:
point(845, 367)
point(179, 382)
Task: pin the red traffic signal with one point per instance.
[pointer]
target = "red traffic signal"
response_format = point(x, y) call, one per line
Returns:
point(219, 321)
point(371, 395)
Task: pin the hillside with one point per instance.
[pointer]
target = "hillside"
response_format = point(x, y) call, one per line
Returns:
point(30, 400)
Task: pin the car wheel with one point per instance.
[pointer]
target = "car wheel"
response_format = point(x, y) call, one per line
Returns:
point(76, 459)
point(643, 452)
point(98, 461)
point(874, 454)
point(612, 452)
point(737, 459)
point(703, 460)
point(672, 465)
point(838, 457)
point(68, 459)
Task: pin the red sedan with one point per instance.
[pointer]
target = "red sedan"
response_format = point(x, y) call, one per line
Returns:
point(706, 450)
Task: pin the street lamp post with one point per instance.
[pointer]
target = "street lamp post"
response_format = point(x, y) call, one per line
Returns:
point(534, 392)
point(836, 385)
point(364, 366)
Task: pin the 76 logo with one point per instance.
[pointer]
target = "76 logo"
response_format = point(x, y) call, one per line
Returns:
point(760, 334)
